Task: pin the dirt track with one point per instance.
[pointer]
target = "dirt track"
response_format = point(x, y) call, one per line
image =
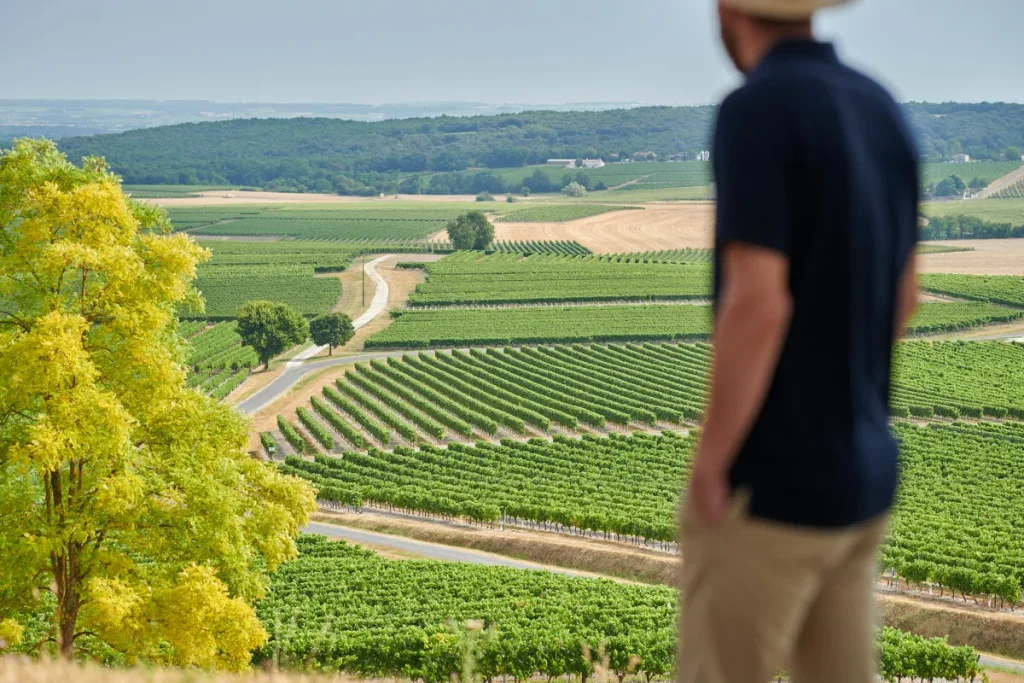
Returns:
point(658, 226)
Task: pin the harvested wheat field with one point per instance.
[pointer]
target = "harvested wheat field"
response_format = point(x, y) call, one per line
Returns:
point(990, 257)
point(658, 226)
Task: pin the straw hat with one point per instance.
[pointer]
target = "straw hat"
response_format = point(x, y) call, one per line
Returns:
point(782, 9)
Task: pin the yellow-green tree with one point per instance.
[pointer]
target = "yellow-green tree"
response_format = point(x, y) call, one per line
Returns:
point(125, 495)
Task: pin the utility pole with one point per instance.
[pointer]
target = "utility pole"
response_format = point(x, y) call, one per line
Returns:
point(363, 269)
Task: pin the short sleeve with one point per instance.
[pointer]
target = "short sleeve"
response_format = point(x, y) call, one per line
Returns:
point(751, 158)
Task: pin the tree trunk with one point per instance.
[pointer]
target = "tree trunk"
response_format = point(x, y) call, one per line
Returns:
point(330, 350)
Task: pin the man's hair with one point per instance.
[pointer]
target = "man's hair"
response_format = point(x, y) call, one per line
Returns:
point(775, 25)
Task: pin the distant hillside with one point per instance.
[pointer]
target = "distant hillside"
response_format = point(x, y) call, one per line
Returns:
point(351, 157)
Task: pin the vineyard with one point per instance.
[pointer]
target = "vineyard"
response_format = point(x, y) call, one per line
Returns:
point(561, 213)
point(469, 278)
point(955, 523)
point(1015, 191)
point(997, 289)
point(217, 362)
point(666, 256)
point(464, 327)
point(347, 609)
point(551, 247)
point(954, 379)
point(225, 289)
point(466, 395)
point(931, 318)
point(925, 249)
point(986, 170)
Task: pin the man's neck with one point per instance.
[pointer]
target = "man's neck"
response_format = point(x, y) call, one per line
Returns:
point(765, 40)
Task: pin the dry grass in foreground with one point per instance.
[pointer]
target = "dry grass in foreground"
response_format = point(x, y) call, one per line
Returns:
point(24, 670)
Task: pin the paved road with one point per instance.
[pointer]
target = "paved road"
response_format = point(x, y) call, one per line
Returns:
point(296, 368)
point(432, 551)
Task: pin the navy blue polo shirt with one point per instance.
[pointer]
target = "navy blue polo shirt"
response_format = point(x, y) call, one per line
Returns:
point(814, 160)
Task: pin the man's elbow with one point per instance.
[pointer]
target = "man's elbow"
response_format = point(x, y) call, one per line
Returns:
point(762, 313)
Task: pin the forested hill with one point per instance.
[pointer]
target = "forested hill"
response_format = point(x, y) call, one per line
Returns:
point(330, 155)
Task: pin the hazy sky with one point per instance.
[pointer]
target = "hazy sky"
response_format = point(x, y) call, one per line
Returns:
point(529, 51)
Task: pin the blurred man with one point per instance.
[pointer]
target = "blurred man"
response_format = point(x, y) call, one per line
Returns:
point(817, 183)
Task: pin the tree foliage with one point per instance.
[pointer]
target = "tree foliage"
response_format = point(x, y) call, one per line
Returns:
point(471, 231)
point(330, 330)
point(270, 328)
point(133, 518)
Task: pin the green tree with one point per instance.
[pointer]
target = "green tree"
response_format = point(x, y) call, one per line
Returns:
point(330, 330)
point(134, 521)
point(270, 328)
point(1012, 154)
point(485, 197)
point(574, 189)
point(471, 231)
point(977, 184)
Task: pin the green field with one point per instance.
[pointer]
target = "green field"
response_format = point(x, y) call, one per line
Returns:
point(665, 256)
point(457, 327)
point(925, 249)
point(986, 170)
point(997, 289)
point(931, 318)
point(561, 213)
point(171, 191)
point(656, 174)
point(994, 210)
point(643, 194)
point(340, 607)
point(957, 512)
point(469, 278)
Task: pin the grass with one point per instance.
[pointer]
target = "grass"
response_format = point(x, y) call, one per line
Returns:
point(925, 249)
point(994, 210)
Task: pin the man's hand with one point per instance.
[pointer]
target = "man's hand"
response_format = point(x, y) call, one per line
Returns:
point(709, 491)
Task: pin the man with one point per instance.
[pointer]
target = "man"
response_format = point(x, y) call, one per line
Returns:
point(817, 183)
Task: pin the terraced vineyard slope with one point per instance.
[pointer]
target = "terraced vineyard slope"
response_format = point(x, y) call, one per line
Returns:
point(218, 363)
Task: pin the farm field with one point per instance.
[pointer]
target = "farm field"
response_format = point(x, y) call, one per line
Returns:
point(986, 257)
point(1014, 191)
point(659, 173)
point(459, 327)
point(657, 227)
point(994, 210)
point(563, 248)
point(954, 378)
point(469, 278)
point(999, 289)
point(986, 170)
point(928, 248)
point(561, 213)
point(410, 618)
point(665, 256)
point(932, 318)
point(217, 362)
point(527, 391)
point(954, 520)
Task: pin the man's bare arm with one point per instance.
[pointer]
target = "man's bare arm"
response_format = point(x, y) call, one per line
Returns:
point(755, 309)
point(907, 297)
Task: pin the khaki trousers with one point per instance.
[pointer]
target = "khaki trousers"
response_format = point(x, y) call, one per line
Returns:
point(759, 597)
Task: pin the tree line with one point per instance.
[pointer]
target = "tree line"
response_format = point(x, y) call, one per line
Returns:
point(453, 155)
point(967, 227)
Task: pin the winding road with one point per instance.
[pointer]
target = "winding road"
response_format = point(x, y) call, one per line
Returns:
point(296, 368)
point(431, 551)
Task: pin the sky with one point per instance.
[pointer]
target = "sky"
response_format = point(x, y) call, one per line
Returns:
point(527, 51)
